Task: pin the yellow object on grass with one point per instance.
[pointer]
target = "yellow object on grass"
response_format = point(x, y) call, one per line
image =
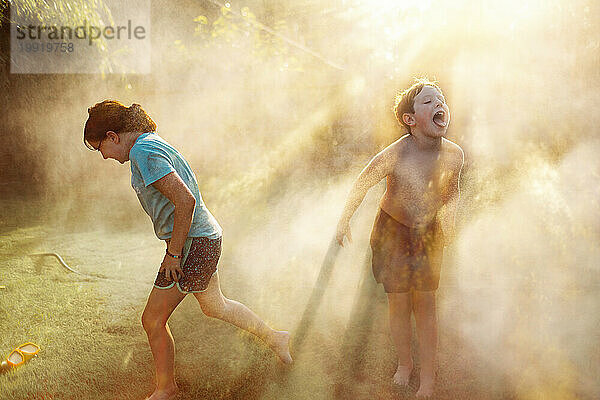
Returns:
point(29, 350)
point(19, 356)
point(15, 358)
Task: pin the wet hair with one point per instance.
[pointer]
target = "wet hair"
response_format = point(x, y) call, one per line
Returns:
point(111, 115)
point(405, 100)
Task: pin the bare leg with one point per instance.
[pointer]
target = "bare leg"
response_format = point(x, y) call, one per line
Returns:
point(215, 305)
point(159, 307)
point(426, 319)
point(400, 309)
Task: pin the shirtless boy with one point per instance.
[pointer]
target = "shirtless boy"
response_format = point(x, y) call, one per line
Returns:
point(422, 171)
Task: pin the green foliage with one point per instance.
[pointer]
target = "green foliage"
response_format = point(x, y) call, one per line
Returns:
point(69, 13)
point(243, 31)
point(72, 12)
point(3, 7)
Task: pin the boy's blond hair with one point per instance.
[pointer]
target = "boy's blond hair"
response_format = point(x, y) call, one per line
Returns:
point(405, 100)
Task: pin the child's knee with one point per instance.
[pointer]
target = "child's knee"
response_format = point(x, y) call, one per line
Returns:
point(424, 301)
point(400, 301)
point(151, 323)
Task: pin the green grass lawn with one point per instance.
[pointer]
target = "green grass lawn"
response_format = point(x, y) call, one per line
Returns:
point(93, 345)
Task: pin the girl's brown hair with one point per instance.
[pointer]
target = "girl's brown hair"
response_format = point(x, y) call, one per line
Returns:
point(111, 115)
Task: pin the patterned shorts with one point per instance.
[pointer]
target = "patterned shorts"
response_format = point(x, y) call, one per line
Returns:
point(199, 265)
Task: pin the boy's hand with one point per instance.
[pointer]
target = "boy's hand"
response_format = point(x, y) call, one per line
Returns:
point(343, 229)
point(172, 268)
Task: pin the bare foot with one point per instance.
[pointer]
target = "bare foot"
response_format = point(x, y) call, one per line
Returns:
point(426, 387)
point(402, 375)
point(164, 394)
point(280, 344)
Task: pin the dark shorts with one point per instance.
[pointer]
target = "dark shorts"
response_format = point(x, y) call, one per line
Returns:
point(406, 258)
point(199, 265)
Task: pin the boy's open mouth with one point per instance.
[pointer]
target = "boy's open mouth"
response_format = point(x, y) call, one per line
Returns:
point(439, 118)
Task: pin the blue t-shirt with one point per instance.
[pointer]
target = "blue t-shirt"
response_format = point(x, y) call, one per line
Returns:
point(152, 158)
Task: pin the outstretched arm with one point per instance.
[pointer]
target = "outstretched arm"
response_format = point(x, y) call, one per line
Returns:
point(377, 169)
point(449, 220)
point(173, 188)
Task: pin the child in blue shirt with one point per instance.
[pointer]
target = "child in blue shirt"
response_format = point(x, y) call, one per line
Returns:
point(168, 191)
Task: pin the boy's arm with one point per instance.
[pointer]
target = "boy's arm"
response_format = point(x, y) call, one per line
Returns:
point(377, 169)
point(448, 222)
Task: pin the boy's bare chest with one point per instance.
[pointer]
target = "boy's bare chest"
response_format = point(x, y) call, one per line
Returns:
point(422, 176)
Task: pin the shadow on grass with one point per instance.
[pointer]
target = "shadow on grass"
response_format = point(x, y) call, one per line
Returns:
point(264, 371)
point(316, 296)
point(357, 336)
point(351, 374)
